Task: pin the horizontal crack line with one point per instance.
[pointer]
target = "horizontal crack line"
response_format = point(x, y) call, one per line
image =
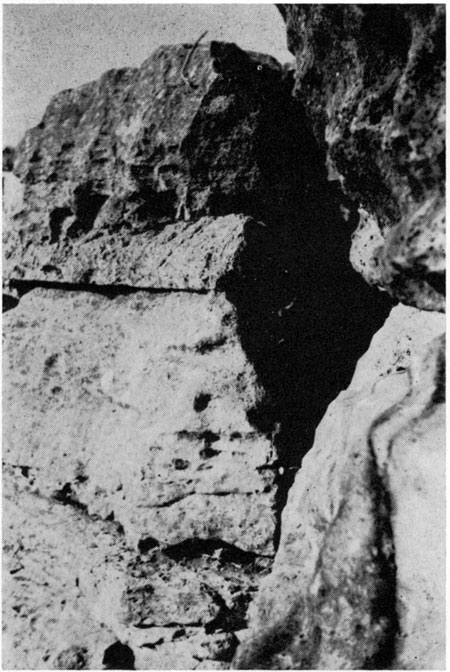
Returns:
point(24, 286)
point(170, 502)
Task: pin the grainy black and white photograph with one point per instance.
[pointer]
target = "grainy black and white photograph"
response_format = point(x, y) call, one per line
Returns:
point(223, 336)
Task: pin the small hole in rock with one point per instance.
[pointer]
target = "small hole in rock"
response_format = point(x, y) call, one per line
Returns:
point(145, 545)
point(201, 402)
point(118, 656)
point(180, 464)
point(208, 452)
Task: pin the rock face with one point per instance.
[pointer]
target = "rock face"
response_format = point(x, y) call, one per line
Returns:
point(92, 603)
point(181, 312)
point(352, 587)
point(143, 411)
point(193, 131)
point(131, 423)
point(128, 408)
point(372, 78)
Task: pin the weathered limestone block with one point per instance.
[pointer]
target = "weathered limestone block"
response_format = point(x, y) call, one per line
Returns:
point(137, 408)
point(75, 596)
point(372, 78)
point(207, 131)
point(358, 580)
point(185, 255)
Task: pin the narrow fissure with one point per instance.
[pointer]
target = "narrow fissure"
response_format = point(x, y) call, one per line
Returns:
point(384, 607)
point(304, 318)
point(109, 291)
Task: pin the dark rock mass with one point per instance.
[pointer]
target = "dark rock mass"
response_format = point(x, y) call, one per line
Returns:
point(372, 78)
point(208, 131)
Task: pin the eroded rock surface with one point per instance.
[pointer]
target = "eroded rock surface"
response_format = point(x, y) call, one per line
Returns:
point(187, 312)
point(372, 78)
point(192, 132)
point(137, 409)
point(358, 579)
point(186, 256)
point(114, 609)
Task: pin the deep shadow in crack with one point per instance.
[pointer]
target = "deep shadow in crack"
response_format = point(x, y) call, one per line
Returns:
point(305, 317)
point(193, 548)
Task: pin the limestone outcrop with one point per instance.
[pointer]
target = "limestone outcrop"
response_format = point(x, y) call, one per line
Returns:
point(358, 579)
point(205, 130)
point(186, 486)
point(145, 412)
point(130, 423)
point(372, 78)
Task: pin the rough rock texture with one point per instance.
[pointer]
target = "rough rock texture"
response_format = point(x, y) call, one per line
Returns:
point(170, 609)
point(182, 256)
point(358, 579)
point(129, 431)
point(137, 409)
point(372, 78)
point(186, 313)
point(196, 132)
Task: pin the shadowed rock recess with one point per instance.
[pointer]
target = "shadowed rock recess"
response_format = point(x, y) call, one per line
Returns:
point(181, 312)
point(372, 78)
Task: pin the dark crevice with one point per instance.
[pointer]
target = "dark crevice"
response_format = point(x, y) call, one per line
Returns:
point(436, 281)
point(195, 548)
point(174, 500)
point(208, 345)
point(439, 395)
point(109, 291)
point(66, 496)
point(207, 436)
point(304, 319)
point(283, 483)
point(384, 605)
point(147, 544)
point(118, 656)
point(9, 302)
point(221, 620)
point(170, 624)
point(57, 218)
point(208, 452)
point(153, 645)
point(87, 204)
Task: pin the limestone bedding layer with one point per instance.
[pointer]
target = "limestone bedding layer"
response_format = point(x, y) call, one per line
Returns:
point(182, 312)
point(372, 78)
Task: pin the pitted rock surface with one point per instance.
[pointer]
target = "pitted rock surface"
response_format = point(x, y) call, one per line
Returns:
point(182, 310)
point(138, 408)
point(372, 78)
point(191, 256)
point(208, 131)
point(172, 609)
